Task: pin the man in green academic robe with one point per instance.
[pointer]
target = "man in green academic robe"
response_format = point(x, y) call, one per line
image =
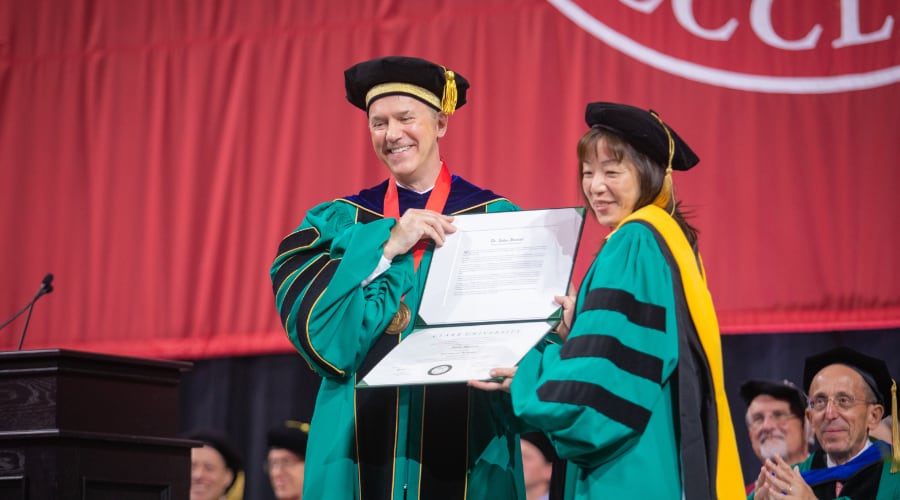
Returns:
point(347, 284)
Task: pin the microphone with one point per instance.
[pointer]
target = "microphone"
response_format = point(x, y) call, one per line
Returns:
point(46, 287)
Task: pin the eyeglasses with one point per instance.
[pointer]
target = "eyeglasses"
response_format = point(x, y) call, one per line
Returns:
point(779, 416)
point(841, 401)
point(279, 464)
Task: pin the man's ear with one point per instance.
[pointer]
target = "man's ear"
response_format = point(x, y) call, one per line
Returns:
point(442, 120)
point(874, 417)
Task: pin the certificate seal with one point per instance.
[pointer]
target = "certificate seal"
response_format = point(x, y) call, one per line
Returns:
point(440, 369)
point(400, 320)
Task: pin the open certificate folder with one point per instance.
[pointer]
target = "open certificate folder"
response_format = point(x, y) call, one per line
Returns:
point(488, 297)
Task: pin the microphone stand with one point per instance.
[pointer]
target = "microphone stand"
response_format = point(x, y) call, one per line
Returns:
point(16, 315)
point(28, 316)
point(46, 288)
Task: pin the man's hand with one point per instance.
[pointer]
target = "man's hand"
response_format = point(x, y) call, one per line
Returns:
point(417, 224)
point(777, 480)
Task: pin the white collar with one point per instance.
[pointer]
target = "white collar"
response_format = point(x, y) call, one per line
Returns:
point(413, 190)
point(830, 463)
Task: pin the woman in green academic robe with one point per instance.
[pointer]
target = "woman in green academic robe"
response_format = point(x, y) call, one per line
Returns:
point(633, 399)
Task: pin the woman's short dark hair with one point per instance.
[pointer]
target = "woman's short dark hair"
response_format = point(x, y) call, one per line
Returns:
point(650, 174)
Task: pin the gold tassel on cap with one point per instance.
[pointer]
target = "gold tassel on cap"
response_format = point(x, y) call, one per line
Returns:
point(665, 192)
point(448, 100)
point(296, 424)
point(895, 433)
point(236, 492)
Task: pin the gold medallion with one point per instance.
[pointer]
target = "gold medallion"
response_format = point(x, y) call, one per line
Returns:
point(400, 320)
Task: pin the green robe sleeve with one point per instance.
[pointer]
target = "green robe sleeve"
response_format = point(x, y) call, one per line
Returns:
point(595, 394)
point(328, 316)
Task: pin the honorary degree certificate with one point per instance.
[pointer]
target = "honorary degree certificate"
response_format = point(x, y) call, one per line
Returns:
point(488, 297)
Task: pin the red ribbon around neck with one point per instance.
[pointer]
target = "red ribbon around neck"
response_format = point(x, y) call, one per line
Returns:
point(436, 201)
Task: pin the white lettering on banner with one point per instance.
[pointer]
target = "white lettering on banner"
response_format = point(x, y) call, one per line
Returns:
point(645, 6)
point(761, 21)
point(762, 26)
point(850, 34)
point(685, 16)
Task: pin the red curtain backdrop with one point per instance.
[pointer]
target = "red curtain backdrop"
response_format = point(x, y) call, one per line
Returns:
point(153, 153)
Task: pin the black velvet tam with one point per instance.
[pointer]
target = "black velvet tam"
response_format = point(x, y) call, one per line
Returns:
point(642, 130)
point(291, 436)
point(785, 391)
point(398, 75)
point(873, 370)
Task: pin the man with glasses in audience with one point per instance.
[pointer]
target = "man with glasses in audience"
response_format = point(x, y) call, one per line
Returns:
point(849, 393)
point(776, 421)
point(286, 459)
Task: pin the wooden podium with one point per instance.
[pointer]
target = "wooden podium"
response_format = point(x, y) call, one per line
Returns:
point(78, 425)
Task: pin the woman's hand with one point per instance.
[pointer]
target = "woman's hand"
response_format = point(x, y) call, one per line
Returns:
point(568, 304)
point(504, 378)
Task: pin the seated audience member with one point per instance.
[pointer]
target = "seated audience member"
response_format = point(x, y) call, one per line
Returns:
point(216, 471)
point(286, 459)
point(776, 421)
point(537, 465)
point(883, 431)
point(849, 393)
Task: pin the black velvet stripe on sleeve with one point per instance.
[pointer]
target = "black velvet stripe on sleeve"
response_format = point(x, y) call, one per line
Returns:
point(364, 216)
point(298, 239)
point(594, 396)
point(296, 287)
point(639, 313)
point(296, 261)
point(625, 358)
point(313, 292)
point(295, 245)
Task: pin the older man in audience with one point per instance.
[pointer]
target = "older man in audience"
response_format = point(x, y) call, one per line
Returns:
point(286, 460)
point(776, 421)
point(216, 470)
point(849, 393)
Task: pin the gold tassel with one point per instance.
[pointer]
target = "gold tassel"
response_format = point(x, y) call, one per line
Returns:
point(448, 100)
point(666, 191)
point(895, 433)
point(296, 424)
point(236, 492)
